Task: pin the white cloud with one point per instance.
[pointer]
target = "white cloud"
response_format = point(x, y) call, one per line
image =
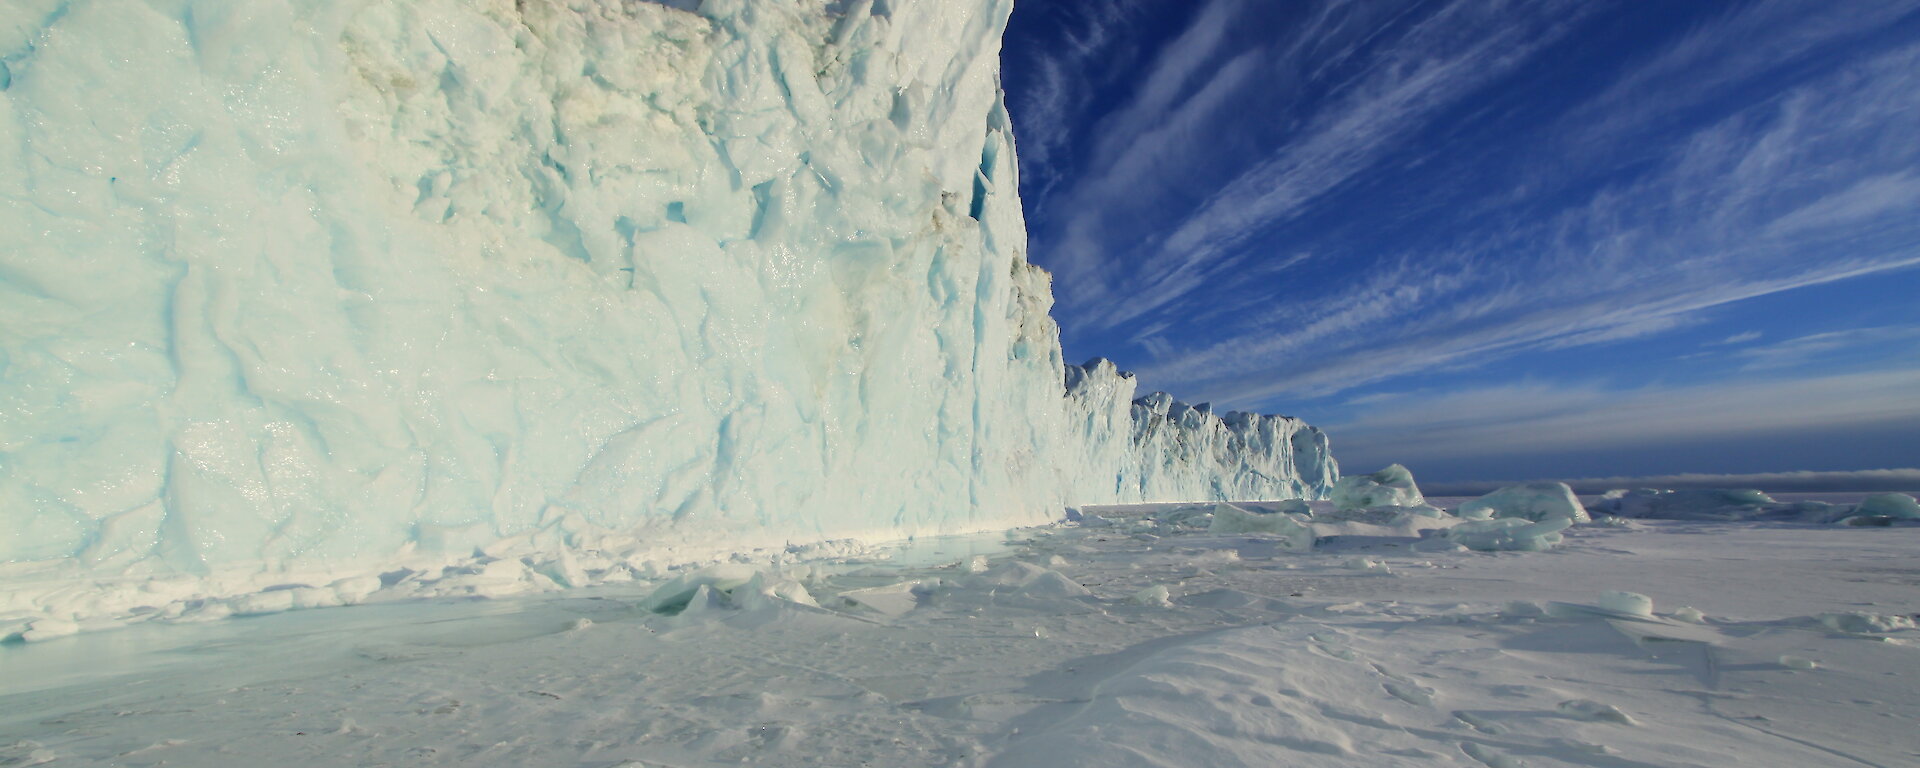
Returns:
point(1540, 418)
point(1744, 44)
point(1804, 481)
point(1043, 112)
point(1638, 257)
point(1153, 157)
point(1728, 198)
point(1433, 66)
point(1867, 199)
point(1899, 341)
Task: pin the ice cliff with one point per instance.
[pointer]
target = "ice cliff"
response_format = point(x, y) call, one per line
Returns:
point(294, 292)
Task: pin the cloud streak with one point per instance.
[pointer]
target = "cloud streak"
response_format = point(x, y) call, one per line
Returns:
point(1302, 200)
point(1062, 81)
point(1804, 481)
point(1541, 418)
point(1734, 213)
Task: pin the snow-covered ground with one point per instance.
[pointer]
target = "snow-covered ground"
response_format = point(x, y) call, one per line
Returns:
point(1055, 646)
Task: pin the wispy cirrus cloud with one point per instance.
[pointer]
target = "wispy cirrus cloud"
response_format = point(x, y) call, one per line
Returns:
point(1789, 193)
point(1064, 78)
point(1734, 52)
point(1138, 202)
point(1428, 69)
point(1304, 199)
point(1831, 346)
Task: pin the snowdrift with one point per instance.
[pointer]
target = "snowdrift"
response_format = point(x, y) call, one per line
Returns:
point(295, 294)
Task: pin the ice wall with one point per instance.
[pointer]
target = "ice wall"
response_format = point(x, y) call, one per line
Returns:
point(1157, 448)
point(298, 290)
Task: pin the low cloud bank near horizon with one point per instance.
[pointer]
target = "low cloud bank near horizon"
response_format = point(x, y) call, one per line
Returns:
point(1548, 429)
point(1865, 480)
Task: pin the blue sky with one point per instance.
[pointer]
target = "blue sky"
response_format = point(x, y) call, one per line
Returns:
point(1493, 239)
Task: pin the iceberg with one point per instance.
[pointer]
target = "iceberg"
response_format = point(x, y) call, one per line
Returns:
point(1509, 534)
point(1530, 501)
point(1686, 504)
point(1897, 506)
point(1298, 530)
point(1390, 487)
point(528, 295)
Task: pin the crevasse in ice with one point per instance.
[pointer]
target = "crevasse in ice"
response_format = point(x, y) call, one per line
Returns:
point(294, 293)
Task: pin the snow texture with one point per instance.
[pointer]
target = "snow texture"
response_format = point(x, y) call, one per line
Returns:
point(502, 296)
point(1072, 648)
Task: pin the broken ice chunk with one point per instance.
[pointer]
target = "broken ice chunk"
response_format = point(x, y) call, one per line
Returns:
point(1229, 519)
point(1898, 506)
point(1156, 596)
point(1630, 603)
point(1514, 534)
point(1530, 501)
point(1690, 504)
point(675, 595)
point(1865, 623)
point(1390, 487)
point(1592, 710)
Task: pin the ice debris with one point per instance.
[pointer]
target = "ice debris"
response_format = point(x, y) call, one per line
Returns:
point(1230, 519)
point(1390, 487)
point(1028, 580)
point(1866, 623)
point(1513, 534)
point(1586, 709)
point(1629, 603)
point(728, 584)
point(1530, 501)
point(889, 600)
point(1688, 504)
point(1721, 504)
point(1898, 506)
point(1798, 662)
point(1156, 596)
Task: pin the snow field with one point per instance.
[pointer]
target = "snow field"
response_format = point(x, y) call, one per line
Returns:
point(1257, 655)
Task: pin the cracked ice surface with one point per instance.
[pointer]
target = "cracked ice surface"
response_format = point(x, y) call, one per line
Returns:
point(516, 295)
